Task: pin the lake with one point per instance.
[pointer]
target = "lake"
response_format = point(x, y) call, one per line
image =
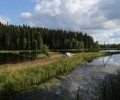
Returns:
point(12, 58)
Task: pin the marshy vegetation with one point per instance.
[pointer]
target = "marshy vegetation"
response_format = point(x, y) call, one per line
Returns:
point(110, 87)
point(15, 81)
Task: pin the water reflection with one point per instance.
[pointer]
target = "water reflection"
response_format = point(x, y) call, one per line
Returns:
point(112, 60)
point(109, 50)
point(10, 58)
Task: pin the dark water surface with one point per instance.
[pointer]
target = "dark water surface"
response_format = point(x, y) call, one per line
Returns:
point(82, 82)
point(11, 58)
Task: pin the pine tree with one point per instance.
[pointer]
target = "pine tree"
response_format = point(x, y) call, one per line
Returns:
point(24, 43)
point(35, 45)
point(39, 41)
point(28, 46)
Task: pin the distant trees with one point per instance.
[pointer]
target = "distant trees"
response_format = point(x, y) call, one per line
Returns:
point(110, 46)
point(30, 38)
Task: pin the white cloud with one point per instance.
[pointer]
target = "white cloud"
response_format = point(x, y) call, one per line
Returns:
point(50, 7)
point(91, 16)
point(4, 20)
point(108, 36)
point(65, 14)
point(25, 15)
point(110, 24)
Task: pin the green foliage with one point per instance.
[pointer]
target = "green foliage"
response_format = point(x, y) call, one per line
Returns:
point(110, 46)
point(24, 43)
point(44, 49)
point(30, 38)
point(96, 45)
point(15, 81)
point(40, 41)
point(35, 44)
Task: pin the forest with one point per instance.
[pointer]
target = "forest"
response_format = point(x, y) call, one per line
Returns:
point(24, 37)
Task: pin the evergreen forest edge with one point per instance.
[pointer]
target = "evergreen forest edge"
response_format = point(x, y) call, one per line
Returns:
point(24, 37)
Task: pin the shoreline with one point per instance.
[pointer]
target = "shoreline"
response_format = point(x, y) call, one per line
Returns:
point(21, 80)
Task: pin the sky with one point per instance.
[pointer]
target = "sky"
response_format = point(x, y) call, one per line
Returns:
point(98, 18)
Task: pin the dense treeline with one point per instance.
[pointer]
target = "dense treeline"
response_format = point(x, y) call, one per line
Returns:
point(110, 46)
point(30, 38)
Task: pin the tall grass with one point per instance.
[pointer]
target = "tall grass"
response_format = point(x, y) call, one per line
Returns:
point(20, 80)
point(110, 87)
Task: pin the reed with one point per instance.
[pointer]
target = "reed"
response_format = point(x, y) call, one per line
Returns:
point(110, 87)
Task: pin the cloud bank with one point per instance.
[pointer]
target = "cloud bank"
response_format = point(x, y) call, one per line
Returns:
point(100, 17)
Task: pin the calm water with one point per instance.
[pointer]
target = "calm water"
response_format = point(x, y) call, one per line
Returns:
point(110, 51)
point(7, 58)
point(84, 81)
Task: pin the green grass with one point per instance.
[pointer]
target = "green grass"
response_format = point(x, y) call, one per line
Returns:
point(20, 80)
point(40, 56)
point(17, 51)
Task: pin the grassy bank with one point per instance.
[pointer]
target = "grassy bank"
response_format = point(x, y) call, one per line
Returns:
point(20, 80)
